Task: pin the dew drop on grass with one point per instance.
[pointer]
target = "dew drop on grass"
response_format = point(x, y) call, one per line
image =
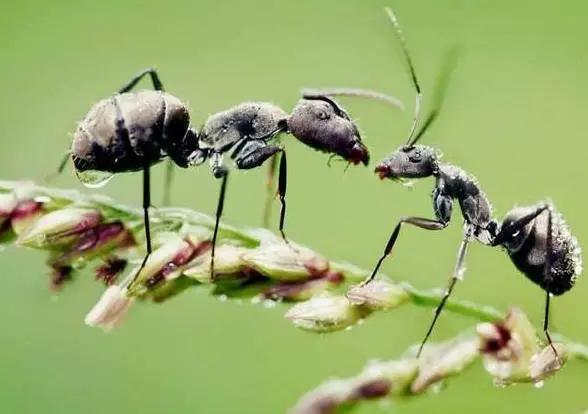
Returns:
point(93, 178)
point(499, 383)
point(385, 403)
point(436, 388)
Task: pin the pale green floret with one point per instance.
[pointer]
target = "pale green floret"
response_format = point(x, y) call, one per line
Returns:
point(55, 228)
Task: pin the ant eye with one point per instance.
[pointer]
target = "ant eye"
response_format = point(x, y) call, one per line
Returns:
point(416, 156)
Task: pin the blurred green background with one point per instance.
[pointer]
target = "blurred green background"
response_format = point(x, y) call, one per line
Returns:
point(514, 117)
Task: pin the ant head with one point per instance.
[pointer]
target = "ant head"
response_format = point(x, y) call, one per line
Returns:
point(322, 124)
point(412, 160)
point(417, 161)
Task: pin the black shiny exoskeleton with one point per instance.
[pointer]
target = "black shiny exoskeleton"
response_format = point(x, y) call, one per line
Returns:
point(536, 238)
point(527, 233)
point(249, 132)
point(131, 131)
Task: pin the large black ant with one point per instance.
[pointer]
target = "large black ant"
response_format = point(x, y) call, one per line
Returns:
point(536, 237)
point(131, 131)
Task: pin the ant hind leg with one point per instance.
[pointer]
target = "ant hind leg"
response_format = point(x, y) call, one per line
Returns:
point(157, 85)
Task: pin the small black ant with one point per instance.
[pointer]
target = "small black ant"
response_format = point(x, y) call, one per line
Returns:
point(536, 238)
point(131, 131)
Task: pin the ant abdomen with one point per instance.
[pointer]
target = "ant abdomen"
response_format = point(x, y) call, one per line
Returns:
point(530, 247)
point(129, 131)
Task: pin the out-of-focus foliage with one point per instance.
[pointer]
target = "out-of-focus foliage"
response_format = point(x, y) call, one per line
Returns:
point(512, 117)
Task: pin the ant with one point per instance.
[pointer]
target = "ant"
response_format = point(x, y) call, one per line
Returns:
point(131, 131)
point(536, 238)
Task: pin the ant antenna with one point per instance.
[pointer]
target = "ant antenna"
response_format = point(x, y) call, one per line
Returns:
point(415, 81)
point(354, 92)
point(439, 96)
point(319, 97)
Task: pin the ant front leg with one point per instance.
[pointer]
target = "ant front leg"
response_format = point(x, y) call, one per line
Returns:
point(157, 85)
point(255, 153)
point(269, 190)
point(423, 223)
point(443, 206)
point(282, 182)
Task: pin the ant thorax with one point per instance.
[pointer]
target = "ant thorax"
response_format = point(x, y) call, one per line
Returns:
point(455, 183)
point(246, 121)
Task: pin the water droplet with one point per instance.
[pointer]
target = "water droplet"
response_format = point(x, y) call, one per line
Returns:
point(42, 199)
point(350, 327)
point(93, 178)
point(499, 383)
point(408, 184)
point(436, 388)
point(385, 403)
point(222, 298)
point(539, 384)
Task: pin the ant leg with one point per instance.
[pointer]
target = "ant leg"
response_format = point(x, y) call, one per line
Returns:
point(60, 168)
point(157, 85)
point(547, 277)
point(546, 325)
point(518, 225)
point(63, 162)
point(423, 223)
point(269, 190)
point(282, 182)
point(455, 277)
point(167, 183)
point(253, 154)
point(146, 205)
point(219, 172)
